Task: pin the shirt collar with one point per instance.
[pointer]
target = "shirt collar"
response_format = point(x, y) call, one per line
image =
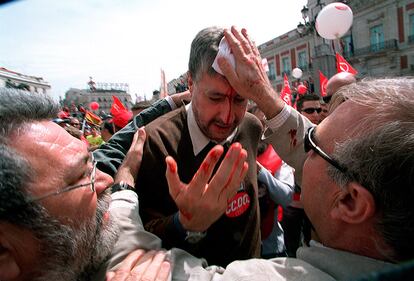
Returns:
point(198, 139)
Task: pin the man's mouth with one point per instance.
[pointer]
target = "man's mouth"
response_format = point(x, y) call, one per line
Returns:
point(221, 126)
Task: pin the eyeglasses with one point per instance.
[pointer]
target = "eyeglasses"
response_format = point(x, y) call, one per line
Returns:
point(91, 182)
point(311, 110)
point(310, 144)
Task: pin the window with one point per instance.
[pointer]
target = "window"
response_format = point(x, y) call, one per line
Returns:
point(303, 60)
point(347, 45)
point(411, 29)
point(272, 72)
point(286, 65)
point(377, 38)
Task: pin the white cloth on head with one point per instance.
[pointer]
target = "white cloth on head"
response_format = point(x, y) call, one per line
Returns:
point(224, 51)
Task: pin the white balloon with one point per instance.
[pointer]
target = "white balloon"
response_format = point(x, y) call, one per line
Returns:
point(334, 20)
point(297, 73)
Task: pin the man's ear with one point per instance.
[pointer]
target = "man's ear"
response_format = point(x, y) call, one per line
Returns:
point(9, 268)
point(190, 82)
point(355, 204)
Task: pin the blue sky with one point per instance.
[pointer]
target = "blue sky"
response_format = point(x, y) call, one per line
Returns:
point(124, 41)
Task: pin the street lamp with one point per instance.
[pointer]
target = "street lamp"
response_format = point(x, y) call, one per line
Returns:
point(308, 26)
point(304, 12)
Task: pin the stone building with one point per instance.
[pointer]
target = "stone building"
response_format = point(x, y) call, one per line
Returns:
point(379, 43)
point(12, 79)
point(98, 92)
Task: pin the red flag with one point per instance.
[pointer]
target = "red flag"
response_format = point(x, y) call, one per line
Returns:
point(322, 83)
point(120, 114)
point(117, 106)
point(343, 66)
point(270, 159)
point(286, 94)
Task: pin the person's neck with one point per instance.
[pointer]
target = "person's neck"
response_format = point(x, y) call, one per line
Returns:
point(362, 241)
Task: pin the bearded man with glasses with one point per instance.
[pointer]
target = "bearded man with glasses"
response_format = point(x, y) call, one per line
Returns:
point(58, 220)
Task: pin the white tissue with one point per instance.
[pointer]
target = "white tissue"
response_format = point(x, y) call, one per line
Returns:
point(224, 51)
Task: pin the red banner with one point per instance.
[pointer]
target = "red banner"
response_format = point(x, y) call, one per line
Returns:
point(286, 94)
point(343, 66)
point(323, 81)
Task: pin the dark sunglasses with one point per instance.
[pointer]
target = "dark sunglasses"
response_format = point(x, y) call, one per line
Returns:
point(309, 144)
point(311, 110)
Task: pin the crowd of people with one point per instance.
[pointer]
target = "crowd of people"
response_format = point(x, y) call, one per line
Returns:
point(221, 182)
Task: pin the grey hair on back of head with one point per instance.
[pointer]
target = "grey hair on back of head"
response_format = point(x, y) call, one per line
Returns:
point(380, 157)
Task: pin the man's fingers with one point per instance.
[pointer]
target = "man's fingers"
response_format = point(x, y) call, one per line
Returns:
point(164, 272)
point(227, 70)
point(251, 42)
point(234, 43)
point(235, 181)
point(141, 265)
point(124, 270)
point(204, 172)
point(138, 140)
point(156, 268)
point(173, 179)
point(244, 43)
point(223, 175)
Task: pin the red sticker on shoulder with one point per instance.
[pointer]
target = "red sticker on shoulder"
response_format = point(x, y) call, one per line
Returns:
point(238, 205)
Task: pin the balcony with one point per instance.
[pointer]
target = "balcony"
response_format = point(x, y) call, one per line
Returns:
point(377, 48)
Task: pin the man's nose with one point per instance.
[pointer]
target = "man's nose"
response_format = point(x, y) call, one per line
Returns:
point(226, 113)
point(102, 181)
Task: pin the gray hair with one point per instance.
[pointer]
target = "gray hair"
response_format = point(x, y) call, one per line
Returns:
point(17, 109)
point(67, 253)
point(381, 157)
point(204, 49)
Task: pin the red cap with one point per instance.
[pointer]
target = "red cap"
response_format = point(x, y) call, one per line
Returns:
point(63, 115)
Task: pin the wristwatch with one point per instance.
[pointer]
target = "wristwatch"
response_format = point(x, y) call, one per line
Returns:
point(195, 236)
point(121, 186)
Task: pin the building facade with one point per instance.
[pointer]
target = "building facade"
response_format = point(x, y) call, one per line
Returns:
point(98, 93)
point(12, 79)
point(380, 43)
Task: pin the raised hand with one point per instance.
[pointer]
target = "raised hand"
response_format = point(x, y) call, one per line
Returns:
point(128, 171)
point(249, 79)
point(181, 98)
point(202, 202)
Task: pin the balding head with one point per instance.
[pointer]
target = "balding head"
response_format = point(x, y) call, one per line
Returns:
point(337, 81)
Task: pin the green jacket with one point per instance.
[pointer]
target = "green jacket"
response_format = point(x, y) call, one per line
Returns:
point(111, 154)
